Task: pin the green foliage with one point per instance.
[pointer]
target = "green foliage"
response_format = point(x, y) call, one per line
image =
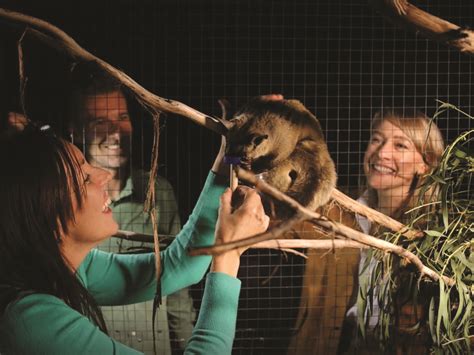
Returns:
point(447, 248)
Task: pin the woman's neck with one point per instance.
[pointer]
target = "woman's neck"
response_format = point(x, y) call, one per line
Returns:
point(390, 200)
point(74, 253)
point(117, 183)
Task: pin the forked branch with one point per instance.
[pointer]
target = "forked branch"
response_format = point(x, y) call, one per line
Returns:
point(303, 214)
point(58, 39)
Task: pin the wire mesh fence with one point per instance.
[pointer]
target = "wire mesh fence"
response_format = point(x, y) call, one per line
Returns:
point(342, 59)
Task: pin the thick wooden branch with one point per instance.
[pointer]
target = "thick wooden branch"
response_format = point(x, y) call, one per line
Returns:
point(56, 38)
point(374, 216)
point(309, 244)
point(286, 245)
point(272, 233)
point(302, 214)
point(405, 15)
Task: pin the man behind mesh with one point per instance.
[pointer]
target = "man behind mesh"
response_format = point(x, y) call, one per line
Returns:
point(101, 126)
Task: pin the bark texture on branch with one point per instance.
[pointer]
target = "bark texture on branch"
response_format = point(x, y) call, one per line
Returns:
point(406, 15)
point(55, 37)
point(302, 214)
point(269, 244)
point(374, 216)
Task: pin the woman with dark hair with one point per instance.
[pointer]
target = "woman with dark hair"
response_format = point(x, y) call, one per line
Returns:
point(52, 280)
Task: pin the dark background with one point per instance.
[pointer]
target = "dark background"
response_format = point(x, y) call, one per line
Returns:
point(337, 56)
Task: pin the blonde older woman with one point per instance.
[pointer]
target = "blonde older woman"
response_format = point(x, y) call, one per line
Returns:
point(402, 150)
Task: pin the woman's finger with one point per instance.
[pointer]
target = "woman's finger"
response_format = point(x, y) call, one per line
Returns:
point(252, 199)
point(225, 205)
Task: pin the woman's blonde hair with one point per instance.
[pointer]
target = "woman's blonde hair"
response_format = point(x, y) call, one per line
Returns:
point(428, 141)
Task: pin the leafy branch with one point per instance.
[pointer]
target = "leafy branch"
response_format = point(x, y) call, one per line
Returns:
point(447, 248)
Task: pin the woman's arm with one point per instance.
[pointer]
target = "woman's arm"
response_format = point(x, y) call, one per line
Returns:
point(132, 277)
point(44, 324)
point(215, 328)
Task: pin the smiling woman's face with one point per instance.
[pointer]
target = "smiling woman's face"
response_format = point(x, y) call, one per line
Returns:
point(391, 159)
point(93, 221)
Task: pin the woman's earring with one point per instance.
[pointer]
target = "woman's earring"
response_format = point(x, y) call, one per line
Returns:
point(423, 170)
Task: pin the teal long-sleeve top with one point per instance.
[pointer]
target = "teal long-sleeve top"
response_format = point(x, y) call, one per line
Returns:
point(44, 324)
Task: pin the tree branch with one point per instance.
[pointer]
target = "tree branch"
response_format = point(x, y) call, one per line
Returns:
point(55, 37)
point(286, 245)
point(309, 244)
point(405, 15)
point(375, 216)
point(302, 214)
point(272, 233)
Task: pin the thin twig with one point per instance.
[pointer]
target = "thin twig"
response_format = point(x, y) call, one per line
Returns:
point(21, 73)
point(150, 201)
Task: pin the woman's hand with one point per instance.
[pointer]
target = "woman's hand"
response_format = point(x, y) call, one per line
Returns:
point(241, 215)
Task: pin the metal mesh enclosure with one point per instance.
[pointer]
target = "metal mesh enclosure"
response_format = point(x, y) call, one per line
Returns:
point(340, 58)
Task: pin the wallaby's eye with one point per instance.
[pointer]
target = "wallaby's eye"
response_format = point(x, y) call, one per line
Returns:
point(293, 175)
point(259, 139)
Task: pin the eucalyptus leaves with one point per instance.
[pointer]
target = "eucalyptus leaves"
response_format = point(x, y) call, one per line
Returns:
point(444, 314)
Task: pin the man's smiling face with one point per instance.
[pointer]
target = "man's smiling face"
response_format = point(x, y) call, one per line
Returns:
point(108, 130)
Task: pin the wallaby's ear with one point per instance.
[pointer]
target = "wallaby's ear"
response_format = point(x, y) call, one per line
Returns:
point(297, 105)
point(302, 110)
point(309, 145)
point(225, 108)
